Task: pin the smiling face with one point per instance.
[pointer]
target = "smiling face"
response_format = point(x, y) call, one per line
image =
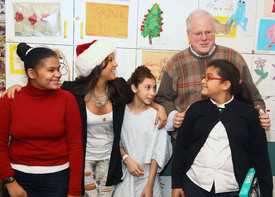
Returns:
point(214, 87)
point(47, 75)
point(201, 40)
point(145, 92)
point(108, 72)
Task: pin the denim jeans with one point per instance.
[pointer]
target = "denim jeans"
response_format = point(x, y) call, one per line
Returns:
point(95, 179)
point(43, 185)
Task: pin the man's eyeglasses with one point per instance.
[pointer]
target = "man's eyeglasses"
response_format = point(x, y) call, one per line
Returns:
point(198, 35)
point(207, 78)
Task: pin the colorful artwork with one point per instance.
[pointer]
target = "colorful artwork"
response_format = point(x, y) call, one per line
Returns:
point(222, 29)
point(268, 9)
point(239, 16)
point(156, 60)
point(270, 34)
point(152, 23)
point(107, 20)
point(260, 70)
point(37, 19)
point(266, 35)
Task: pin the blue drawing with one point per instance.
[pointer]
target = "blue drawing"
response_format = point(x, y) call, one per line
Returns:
point(239, 16)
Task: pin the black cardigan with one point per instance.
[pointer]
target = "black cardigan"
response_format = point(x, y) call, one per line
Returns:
point(115, 168)
point(247, 140)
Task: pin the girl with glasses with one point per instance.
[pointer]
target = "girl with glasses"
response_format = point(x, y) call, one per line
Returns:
point(220, 139)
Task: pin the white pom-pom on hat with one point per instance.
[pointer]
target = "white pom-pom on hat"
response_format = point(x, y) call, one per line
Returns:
point(92, 54)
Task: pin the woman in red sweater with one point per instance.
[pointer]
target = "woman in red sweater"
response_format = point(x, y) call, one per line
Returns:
point(40, 132)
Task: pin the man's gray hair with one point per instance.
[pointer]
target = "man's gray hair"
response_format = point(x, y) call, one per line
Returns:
point(198, 12)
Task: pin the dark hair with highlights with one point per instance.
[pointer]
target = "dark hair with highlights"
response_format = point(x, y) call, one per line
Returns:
point(229, 71)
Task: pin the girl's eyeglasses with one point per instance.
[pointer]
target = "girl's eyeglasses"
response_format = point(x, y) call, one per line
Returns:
point(207, 78)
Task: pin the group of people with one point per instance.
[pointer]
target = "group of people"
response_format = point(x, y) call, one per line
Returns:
point(102, 136)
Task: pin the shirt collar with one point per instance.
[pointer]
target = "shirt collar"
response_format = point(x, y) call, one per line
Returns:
point(222, 105)
point(196, 54)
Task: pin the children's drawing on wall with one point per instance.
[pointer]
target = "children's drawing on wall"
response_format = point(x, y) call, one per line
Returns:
point(152, 23)
point(37, 19)
point(268, 9)
point(266, 35)
point(156, 60)
point(260, 63)
point(222, 29)
point(64, 66)
point(263, 73)
point(107, 20)
point(239, 17)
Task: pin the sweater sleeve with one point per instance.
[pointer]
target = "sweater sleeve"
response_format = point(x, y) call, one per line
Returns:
point(5, 121)
point(260, 157)
point(74, 140)
point(182, 145)
point(256, 97)
point(166, 95)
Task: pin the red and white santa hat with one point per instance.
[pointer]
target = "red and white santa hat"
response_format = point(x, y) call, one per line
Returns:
point(92, 54)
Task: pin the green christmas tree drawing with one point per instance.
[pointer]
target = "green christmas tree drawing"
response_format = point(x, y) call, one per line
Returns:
point(152, 23)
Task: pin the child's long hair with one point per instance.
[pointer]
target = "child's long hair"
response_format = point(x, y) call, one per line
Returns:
point(229, 71)
point(139, 75)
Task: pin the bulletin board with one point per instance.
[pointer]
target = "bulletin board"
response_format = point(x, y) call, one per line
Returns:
point(40, 21)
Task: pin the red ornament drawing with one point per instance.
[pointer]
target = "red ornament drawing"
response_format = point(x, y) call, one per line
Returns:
point(33, 19)
point(18, 16)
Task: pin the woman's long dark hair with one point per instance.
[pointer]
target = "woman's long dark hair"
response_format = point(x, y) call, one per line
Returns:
point(86, 84)
point(229, 71)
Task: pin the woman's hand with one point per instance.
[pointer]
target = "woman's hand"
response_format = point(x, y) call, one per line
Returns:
point(133, 167)
point(147, 191)
point(15, 190)
point(11, 91)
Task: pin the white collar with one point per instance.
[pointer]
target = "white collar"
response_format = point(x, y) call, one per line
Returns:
point(210, 52)
point(222, 105)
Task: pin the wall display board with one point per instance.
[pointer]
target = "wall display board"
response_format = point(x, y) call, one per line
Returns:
point(15, 73)
point(112, 20)
point(40, 21)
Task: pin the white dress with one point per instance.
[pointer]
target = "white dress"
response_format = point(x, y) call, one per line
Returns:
point(143, 142)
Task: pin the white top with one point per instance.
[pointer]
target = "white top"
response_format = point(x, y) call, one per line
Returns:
point(100, 136)
point(143, 142)
point(213, 164)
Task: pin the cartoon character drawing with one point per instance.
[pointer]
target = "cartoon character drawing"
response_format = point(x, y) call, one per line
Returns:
point(239, 16)
point(270, 34)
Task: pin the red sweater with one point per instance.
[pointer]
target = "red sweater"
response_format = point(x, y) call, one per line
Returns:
point(45, 128)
